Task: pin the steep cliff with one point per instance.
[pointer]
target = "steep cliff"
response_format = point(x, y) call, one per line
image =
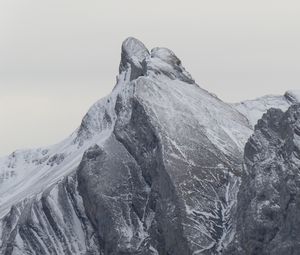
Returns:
point(269, 198)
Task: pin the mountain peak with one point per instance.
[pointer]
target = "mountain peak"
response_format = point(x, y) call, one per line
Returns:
point(136, 59)
point(133, 54)
point(133, 47)
point(164, 61)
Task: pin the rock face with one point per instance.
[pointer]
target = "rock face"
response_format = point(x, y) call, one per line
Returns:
point(133, 54)
point(269, 198)
point(53, 222)
point(154, 168)
point(163, 183)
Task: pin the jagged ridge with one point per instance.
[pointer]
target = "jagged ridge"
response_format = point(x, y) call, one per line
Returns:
point(268, 201)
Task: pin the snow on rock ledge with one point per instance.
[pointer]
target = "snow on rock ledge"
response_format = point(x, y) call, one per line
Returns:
point(164, 61)
point(293, 96)
point(254, 109)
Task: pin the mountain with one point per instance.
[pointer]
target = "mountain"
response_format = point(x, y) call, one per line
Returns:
point(269, 198)
point(154, 168)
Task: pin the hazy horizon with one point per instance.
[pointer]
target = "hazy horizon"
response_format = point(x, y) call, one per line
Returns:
point(57, 58)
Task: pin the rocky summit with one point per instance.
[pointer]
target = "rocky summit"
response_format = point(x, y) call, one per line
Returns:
point(160, 166)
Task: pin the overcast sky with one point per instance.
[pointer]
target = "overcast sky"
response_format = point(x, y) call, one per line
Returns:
point(57, 57)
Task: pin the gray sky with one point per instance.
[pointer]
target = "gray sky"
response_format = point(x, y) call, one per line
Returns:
point(58, 57)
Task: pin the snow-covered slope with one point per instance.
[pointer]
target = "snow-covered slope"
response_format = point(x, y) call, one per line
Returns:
point(254, 109)
point(27, 172)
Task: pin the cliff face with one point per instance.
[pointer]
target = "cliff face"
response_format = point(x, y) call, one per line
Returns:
point(165, 181)
point(154, 168)
point(269, 198)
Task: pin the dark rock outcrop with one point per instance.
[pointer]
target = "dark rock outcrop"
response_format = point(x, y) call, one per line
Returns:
point(268, 208)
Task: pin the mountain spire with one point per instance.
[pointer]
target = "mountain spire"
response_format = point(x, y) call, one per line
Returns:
point(133, 54)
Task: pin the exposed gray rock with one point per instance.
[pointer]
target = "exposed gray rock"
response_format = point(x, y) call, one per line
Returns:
point(132, 56)
point(53, 222)
point(56, 159)
point(152, 185)
point(293, 96)
point(269, 198)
